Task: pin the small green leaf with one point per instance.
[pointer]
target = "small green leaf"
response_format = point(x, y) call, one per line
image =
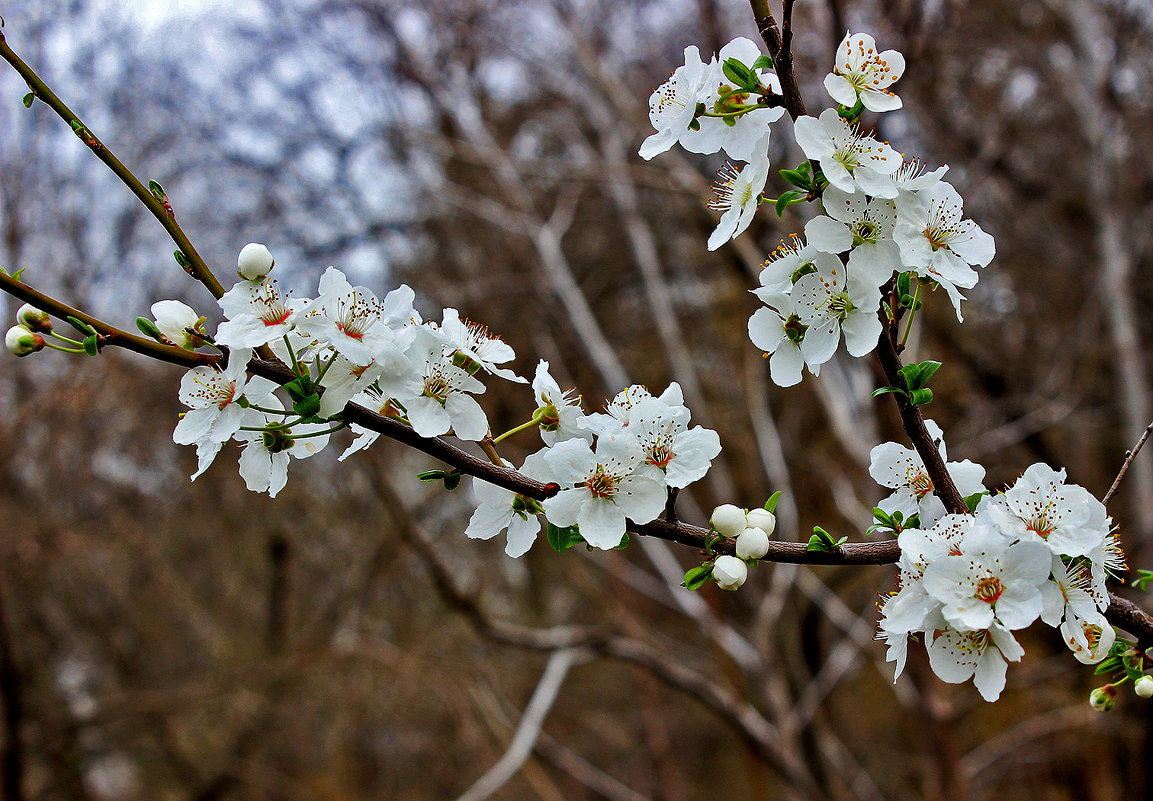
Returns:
point(149, 329)
point(300, 388)
point(90, 345)
point(452, 480)
point(624, 543)
point(561, 539)
point(1142, 581)
point(816, 544)
point(308, 406)
point(181, 259)
point(787, 199)
point(971, 501)
point(19, 273)
point(797, 178)
point(771, 503)
point(696, 577)
point(763, 63)
point(739, 74)
point(884, 390)
point(919, 397)
point(28, 99)
point(157, 190)
point(431, 475)
point(80, 325)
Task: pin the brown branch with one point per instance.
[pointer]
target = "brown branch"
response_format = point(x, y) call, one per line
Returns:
point(110, 336)
point(161, 210)
point(780, 52)
point(1129, 457)
point(914, 422)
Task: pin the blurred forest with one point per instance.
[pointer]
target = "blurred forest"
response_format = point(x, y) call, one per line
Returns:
point(161, 639)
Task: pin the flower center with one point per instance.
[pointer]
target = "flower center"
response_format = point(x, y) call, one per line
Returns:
point(602, 484)
point(989, 589)
point(921, 484)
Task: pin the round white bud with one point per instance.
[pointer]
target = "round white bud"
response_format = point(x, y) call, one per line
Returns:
point(752, 543)
point(729, 520)
point(1144, 686)
point(34, 319)
point(20, 341)
point(763, 519)
point(729, 572)
point(172, 317)
point(255, 261)
point(1102, 698)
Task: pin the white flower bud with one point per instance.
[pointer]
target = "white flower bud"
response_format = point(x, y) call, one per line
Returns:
point(763, 519)
point(1144, 686)
point(729, 520)
point(20, 341)
point(752, 543)
point(729, 572)
point(1102, 698)
point(172, 317)
point(34, 319)
point(255, 261)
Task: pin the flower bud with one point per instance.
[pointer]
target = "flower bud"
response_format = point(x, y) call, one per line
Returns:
point(172, 317)
point(729, 572)
point(1144, 686)
point(763, 519)
point(1102, 698)
point(752, 543)
point(729, 520)
point(255, 261)
point(33, 319)
point(20, 341)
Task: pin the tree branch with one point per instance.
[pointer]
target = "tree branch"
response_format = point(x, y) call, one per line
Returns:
point(781, 53)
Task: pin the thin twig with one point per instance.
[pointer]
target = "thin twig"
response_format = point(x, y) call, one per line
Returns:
point(529, 729)
point(161, 211)
point(110, 336)
point(1129, 457)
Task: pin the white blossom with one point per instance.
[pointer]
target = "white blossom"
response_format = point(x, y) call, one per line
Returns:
point(737, 194)
point(862, 72)
point(559, 410)
point(850, 158)
point(172, 318)
point(673, 104)
point(258, 313)
point(730, 572)
point(499, 509)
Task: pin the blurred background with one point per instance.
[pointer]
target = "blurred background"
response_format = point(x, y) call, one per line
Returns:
point(167, 640)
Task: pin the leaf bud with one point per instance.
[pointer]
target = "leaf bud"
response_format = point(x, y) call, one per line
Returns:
point(730, 572)
point(255, 261)
point(729, 520)
point(20, 341)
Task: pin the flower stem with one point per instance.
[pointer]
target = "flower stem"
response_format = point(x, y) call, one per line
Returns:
point(322, 370)
point(332, 430)
point(912, 314)
point(535, 421)
point(296, 368)
point(66, 339)
point(63, 349)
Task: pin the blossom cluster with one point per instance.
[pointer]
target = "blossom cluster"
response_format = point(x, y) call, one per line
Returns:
point(1040, 549)
point(347, 345)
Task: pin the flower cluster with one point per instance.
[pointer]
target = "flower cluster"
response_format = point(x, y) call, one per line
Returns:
point(347, 345)
point(1040, 549)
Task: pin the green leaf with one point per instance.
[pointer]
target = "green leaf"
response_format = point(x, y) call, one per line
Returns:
point(927, 370)
point(739, 74)
point(431, 475)
point(817, 544)
point(308, 406)
point(883, 390)
point(1142, 581)
point(156, 189)
point(696, 577)
point(149, 329)
point(452, 480)
point(28, 99)
point(561, 539)
point(19, 273)
point(181, 259)
point(90, 345)
point(971, 501)
point(300, 388)
point(797, 178)
point(80, 325)
point(771, 503)
point(624, 543)
point(787, 199)
point(763, 63)
point(919, 397)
